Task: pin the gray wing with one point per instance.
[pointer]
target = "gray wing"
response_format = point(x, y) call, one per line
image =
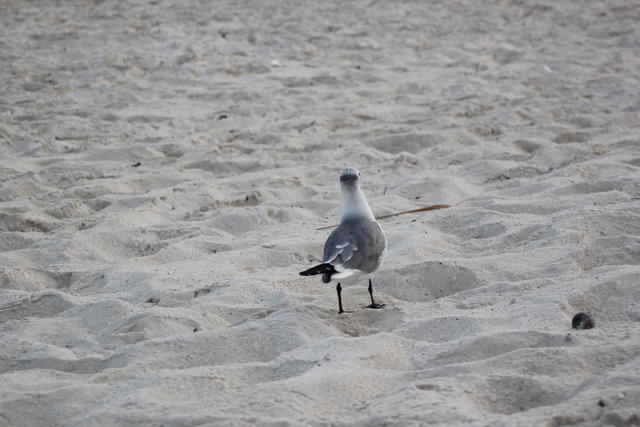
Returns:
point(356, 244)
point(339, 244)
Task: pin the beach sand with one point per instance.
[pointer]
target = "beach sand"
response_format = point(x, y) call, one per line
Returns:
point(165, 165)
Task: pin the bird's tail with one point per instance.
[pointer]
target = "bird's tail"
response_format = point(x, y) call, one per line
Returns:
point(326, 270)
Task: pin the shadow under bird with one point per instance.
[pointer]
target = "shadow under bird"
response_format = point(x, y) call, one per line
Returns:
point(357, 247)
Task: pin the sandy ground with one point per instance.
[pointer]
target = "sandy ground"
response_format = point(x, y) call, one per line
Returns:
point(164, 166)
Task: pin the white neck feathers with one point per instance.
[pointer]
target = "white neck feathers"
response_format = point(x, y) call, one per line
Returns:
point(354, 204)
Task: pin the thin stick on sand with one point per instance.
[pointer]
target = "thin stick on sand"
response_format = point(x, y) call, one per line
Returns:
point(425, 209)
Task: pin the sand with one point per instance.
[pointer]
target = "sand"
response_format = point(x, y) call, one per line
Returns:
point(165, 165)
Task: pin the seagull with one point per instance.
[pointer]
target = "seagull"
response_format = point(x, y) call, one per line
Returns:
point(357, 247)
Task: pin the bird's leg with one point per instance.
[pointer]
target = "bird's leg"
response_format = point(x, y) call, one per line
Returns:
point(373, 303)
point(339, 290)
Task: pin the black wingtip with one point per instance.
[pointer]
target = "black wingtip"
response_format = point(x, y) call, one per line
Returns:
point(317, 269)
point(325, 269)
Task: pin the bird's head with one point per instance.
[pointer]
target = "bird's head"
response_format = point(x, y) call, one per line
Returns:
point(350, 177)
